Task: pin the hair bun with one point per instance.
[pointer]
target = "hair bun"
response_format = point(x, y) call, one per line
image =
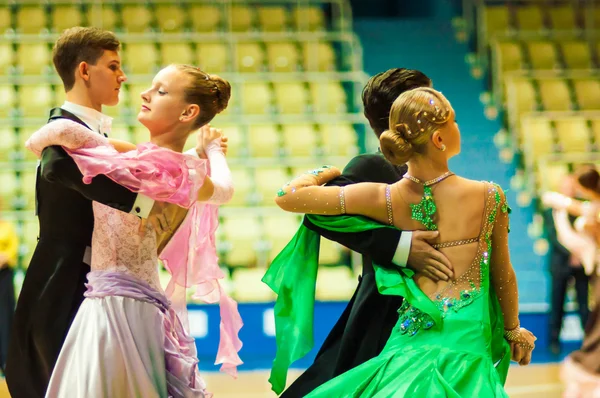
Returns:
point(223, 92)
point(396, 149)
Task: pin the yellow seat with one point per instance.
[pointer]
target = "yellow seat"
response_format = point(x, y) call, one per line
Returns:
point(65, 17)
point(550, 176)
point(300, 140)
point(272, 19)
point(33, 58)
point(213, 57)
point(291, 97)
point(520, 95)
point(264, 140)
point(8, 186)
point(339, 139)
point(121, 132)
point(59, 95)
point(250, 57)
point(279, 229)
point(308, 18)
point(282, 57)
point(240, 18)
point(538, 138)
point(587, 92)
point(555, 95)
point(577, 54)
point(134, 95)
point(31, 231)
point(510, 56)
point(205, 18)
point(335, 284)
point(328, 97)
point(140, 58)
point(244, 186)
point(31, 19)
point(27, 182)
point(268, 181)
point(573, 135)
point(8, 142)
point(176, 53)
point(6, 58)
point(242, 233)
point(542, 55)
point(596, 130)
point(236, 139)
point(5, 19)
point(529, 18)
point(496, 20)
point(256, 98)
point(8, 100)
point(170, 17)
point(35, 100)
point(562, 18)
point(136, 18)
point(101, 16)
point(248, 287)
point(318, 56)
point(330, 253)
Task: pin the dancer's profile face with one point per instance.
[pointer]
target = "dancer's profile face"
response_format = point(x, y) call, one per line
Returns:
point(163, 104)
point(105, 78)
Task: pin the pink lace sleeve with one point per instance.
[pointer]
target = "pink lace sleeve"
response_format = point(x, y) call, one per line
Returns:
point(191, 259)
point(66, 133)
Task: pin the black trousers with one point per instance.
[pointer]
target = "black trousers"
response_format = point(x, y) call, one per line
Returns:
point(560, 280)
point(7, 310)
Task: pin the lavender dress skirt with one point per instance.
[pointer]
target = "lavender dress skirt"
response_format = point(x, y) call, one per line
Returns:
point(125, 341)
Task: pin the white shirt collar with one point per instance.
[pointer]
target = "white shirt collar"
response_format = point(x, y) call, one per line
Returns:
point(97, 121)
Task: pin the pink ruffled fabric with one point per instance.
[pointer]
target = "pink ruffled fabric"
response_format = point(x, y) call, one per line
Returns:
point(167, 176)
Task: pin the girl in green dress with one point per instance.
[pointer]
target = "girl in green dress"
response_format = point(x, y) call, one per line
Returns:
point(453, 338)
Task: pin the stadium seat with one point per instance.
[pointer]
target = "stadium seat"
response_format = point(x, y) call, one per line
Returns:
point(595, 127)
point(65, 16)
point(328, 97)
point(329, 253)
point(33, 58)
point(335, 284)
point(102, 16)
point(248, 287)
point(537, 138)
point(8, 186)
point(542, 55)
point(339, 139)
point(31, 19)
point(204, 18)
point(237, 144)
point(308, 19)
point(550, 176)
point(280, 228)
point(170, 17)
point(140, 58)
point(577, 54)
point(264, 140)
point(318, 56)
point(121, 132)
point(587, 92)
point(134, 95)
point(7, 59)
point(136, 18)
point(497, 20)
point(250, 57)
point(300, 140)
point(269, 180)
point(573, 135)
point(8, 100)
point(520, 95)
point(291, 97)
point(240, 18)
point(256, 98)
point(35, 100)
point(242, 232)
point(529, 18)
point(272, 19)
point(282, 57)
point(555, 94)
point(213, 57)
point(5, 19)
point(562, 18)
point(27, 182)
point(510, 56)
point(176, 53)
point(8, 142)
point(244, 186)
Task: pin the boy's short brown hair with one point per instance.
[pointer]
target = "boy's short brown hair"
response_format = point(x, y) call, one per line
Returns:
point(80, 44)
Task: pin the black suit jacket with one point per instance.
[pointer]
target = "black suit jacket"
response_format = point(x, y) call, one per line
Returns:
point(559, 255)
point(54, 283)
point(366, 324)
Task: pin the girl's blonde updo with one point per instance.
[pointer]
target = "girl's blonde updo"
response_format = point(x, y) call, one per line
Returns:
point(415, 116)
